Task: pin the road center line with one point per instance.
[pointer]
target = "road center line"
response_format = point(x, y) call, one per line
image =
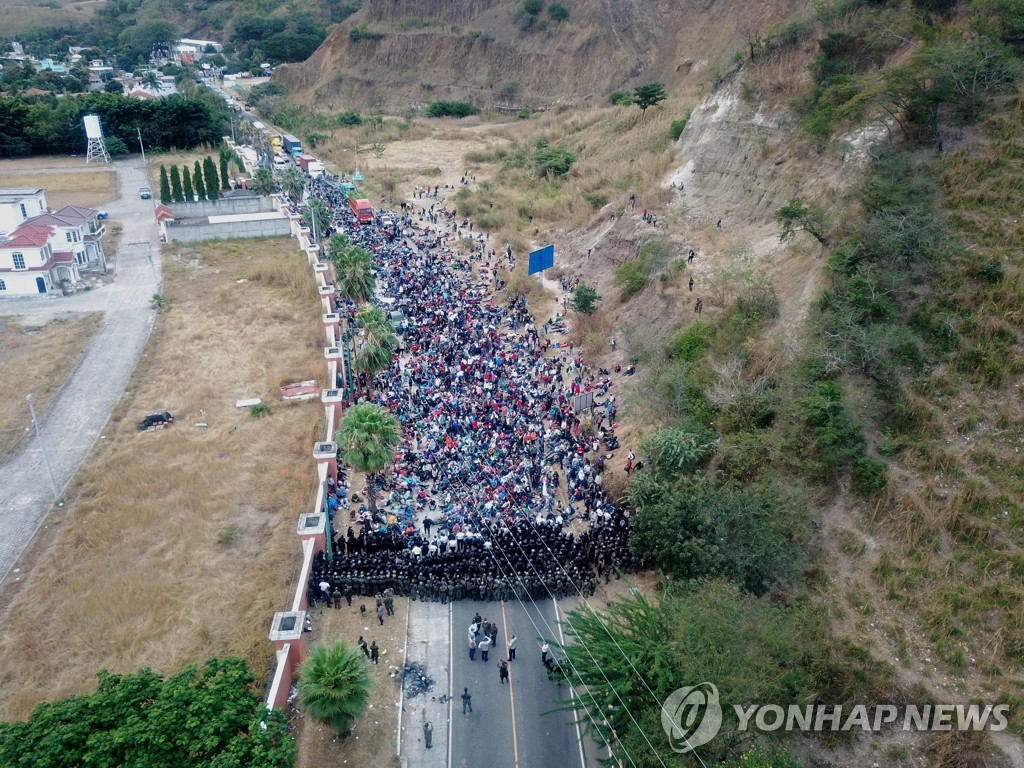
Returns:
point(511, 693)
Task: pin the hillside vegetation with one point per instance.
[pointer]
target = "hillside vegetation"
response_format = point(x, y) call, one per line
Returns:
point(838, 434)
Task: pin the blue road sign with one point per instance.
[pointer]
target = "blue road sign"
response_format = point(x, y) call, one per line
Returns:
point(542, 259)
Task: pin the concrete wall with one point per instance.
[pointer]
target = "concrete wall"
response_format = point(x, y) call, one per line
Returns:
point(193, 232)
point(290, 655)
point(226, 206)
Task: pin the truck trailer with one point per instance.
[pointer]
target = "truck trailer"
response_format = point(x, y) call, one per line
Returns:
point(362, 209)
point(311, 165)
point(292, 145)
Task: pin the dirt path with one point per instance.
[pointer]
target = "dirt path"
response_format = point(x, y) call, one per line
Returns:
point(81, 408)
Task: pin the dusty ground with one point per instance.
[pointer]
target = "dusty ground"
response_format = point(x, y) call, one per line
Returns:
point(179, 544)
point(36, 360)
point(373, 737)
point(65, 183)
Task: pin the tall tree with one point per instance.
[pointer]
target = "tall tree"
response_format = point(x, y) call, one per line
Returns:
point(197, 181)
point(186, 185)
point(354, 269)
point(649, 95)
point(212, 716)
point(225, 178)
point(368, 436)
point(262, 182)
point(177, 193)
point(334, 685)
point(293, 183)
point(212, 179)
point(165, 186)
point(625, 662)
point(796, 215)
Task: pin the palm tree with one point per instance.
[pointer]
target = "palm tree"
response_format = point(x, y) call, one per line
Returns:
point(368, 436)
point(379, 341)
point(293, 183)
point(334, 685)
point(354, 268)
point(262, 182)
point(377, 327)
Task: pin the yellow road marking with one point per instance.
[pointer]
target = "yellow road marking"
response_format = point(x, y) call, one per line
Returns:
point(511, 694)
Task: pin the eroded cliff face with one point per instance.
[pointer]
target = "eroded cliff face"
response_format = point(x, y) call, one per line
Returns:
point(479, 51)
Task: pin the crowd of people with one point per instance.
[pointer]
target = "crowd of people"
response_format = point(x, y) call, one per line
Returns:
point(497, 489)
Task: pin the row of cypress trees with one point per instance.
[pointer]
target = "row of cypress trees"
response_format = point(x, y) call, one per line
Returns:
point(202, 182)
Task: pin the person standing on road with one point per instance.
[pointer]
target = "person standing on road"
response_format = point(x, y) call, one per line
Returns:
point(472, 648)
point(512, 648)
point(503, 671)
point(544, 650)
point(485, 646)
point(428, 734)
point(467, 701)
point(374, 652)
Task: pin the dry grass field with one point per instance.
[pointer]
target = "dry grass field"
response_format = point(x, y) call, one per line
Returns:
point(179, 544)
point(37, 360)
point(68, 185)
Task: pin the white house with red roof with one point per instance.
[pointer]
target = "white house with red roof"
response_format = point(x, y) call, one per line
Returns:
point(42, 250)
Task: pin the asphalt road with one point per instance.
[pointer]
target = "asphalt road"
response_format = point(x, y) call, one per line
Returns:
point(508, 727)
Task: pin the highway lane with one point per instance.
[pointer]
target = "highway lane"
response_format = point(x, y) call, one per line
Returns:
point(508, 727)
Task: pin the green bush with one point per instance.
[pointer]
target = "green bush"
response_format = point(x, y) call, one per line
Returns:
point(621, 98)
point(835, 434)
point(551, 161)
point(558, 12)
point(991, 271)
point(678, 126)
point(692, 342)
point(361, 33)
point(451, 109)
point(351, 117)
point(596, 199)
point(869, 476)
point(258, 410)
point(585, 299)
point(631, 277)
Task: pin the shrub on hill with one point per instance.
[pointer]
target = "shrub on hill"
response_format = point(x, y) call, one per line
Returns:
point(451, 109)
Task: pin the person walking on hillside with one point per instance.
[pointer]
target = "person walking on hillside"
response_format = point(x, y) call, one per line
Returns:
point(691, 283)
point(467, 701)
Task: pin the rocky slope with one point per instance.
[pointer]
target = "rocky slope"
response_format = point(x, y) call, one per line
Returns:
point(482, 51)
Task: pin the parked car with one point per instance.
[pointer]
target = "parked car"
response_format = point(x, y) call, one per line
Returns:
point(145, 193)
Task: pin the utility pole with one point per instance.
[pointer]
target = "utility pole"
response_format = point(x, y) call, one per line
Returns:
point(141, 148)
point(42, 445)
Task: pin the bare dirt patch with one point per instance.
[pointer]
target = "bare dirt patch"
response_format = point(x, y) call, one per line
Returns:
point(64, 185)
point(37, 360)
point(179, 544)
point(373, 739)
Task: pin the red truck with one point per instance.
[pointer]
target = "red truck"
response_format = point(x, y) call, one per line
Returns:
point(362, 209)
